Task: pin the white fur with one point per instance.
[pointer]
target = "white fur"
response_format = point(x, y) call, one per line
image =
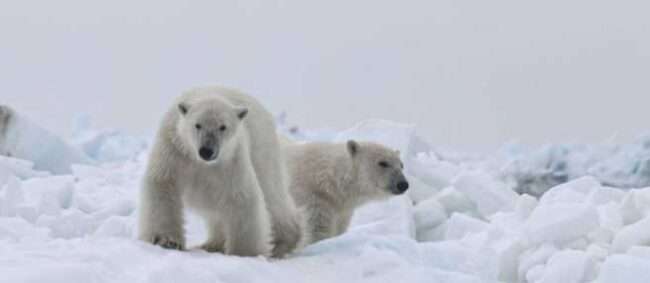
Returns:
point(329, 181)
point(242, 194)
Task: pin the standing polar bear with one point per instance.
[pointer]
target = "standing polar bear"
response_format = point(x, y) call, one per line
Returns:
point(329, 181)
point(217, 152)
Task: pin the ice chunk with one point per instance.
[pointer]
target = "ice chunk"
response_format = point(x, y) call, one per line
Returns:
point(630, 209)
point(435, 173)
point(11, 195)
point(632, 235)
point(568, 267)
point(534, 257)
point(115, 227)
point(575, 191)
point(642, 200)
point(538, 171)
point(432, 234)
point(22, 169)
point(624, 268)
point(606, 195)
point(456, 257)
point(508, 251)
point(561, 222)
point(391, 217)
point(106, 145)
point(488, 194)
point(17, 229)
point(460, 225)
point(597, 252)
point(610, 216)
point(21, 138)
point(455, 201)
point(525, 205)
point(419, 191)
point(535, 274)
point(72, 223)
point(429, 214)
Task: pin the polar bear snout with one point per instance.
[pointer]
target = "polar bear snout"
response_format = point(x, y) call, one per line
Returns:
point(402, 187)
point(207, 154)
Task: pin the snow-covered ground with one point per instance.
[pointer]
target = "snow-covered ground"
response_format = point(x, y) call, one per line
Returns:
point(462, 221)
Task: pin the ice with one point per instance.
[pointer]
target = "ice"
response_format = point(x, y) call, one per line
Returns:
point(535, 257)
point(576, 191)
point(435, 173)
point(606, 195)
point(460, 225)
point(419, 191)
point(632, 235)
point(455, 201)
point(568, 267)
point(392, 217)
point(22, 169)
point(630, 209)
point(488, 194)
point(429, 214)
point(461, 221)
point(105, 145)
point(561, 223)
point(525, 205)
point(26, 140)
point(610, 216)
point(623, 268)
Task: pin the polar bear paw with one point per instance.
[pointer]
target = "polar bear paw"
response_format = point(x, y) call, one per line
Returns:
point(168, 242)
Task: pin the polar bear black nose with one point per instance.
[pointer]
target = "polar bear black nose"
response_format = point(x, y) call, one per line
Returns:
point(402, 186)
point(206, 153)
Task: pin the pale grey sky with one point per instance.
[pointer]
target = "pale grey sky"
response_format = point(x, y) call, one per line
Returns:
point(471, 74)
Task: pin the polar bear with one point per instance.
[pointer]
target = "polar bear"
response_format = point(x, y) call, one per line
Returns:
point(330, 180)
point(6, 115)
point(217, 152)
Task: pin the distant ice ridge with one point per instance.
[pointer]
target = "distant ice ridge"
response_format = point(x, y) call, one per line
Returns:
point(106, 145)
point(534, 171)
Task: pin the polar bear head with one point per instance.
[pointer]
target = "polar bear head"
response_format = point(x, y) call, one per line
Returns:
point(208, 127)
point(378, 169)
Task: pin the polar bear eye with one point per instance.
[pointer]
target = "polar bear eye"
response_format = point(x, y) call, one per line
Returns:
point(223, 128)
point(198, 126)
point(383, 164)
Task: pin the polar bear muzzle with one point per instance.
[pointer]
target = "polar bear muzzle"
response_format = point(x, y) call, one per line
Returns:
point(209, 147)
point(400, 184)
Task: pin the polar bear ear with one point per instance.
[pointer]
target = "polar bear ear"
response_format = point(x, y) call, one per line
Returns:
point(242, 112)
point(353, 147)
point(183, 108)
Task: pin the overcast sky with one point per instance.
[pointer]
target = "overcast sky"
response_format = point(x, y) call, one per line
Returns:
point(471, 74)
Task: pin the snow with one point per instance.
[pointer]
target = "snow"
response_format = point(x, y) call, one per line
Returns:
point(462, 221)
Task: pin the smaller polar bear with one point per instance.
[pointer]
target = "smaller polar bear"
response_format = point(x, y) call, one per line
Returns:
point(329, 181)
point(217, 152)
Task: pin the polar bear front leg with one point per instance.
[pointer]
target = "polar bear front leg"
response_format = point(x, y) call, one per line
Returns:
point(322, 221)
point(216, 242)
point(161, 215)
point(248, 225)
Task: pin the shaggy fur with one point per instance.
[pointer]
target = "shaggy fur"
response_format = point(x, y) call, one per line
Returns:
point(241, 193)
point(329, 181)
